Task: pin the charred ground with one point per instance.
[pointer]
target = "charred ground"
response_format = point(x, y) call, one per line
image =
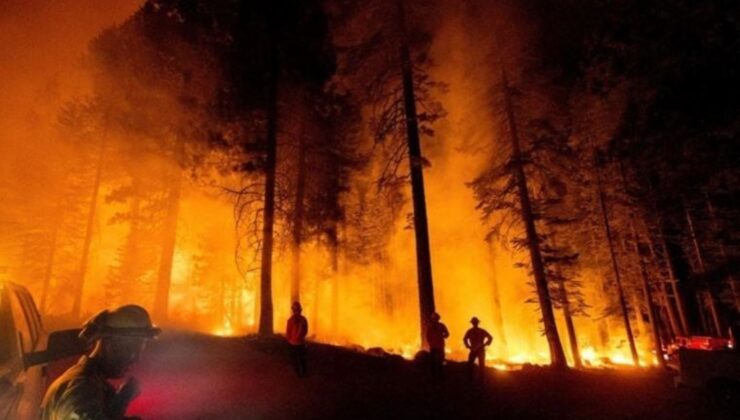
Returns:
point(190, 376)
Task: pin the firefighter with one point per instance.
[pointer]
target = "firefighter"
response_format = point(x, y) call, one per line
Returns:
point(117, 339)
point(436, 334)
point(295, 333)
point(476, 340)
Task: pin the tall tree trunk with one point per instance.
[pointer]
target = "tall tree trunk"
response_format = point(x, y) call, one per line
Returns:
point(421, 228)
point(130, 261)
point(169, 240)
point(652, 315)
point(663, 290)
point(602, 322)
point(714, 312)
point(316, 302)
point(615, 267)
point(633, 294)
point(298, 210)
point(677, 295)
point(334, 250)
point(575, 350)
point(557, 356)
point(667, 307)
point(49, 267)
point(89, 227)
point(708, 292)
point(572, 337)
point(636, 304)
point(256, 304)
point(660, 225)
point(268, 221)
point(498, 321)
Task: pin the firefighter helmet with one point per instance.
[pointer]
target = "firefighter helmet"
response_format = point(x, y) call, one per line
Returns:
point(125, 321)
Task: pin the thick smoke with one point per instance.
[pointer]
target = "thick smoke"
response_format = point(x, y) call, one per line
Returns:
point(43, 46)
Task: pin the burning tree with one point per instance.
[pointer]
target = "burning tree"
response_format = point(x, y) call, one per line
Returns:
point(505, 186)
point(523, 174)
point(385, 63)
point(276, 46)
point(157, 75)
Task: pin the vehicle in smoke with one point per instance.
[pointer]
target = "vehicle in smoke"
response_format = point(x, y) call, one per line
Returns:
point(25, 349)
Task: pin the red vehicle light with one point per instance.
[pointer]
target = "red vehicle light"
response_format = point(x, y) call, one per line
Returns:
point(703, 343)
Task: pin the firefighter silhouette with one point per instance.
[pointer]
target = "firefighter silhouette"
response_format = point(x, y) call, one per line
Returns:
point(436, 334)
point(117, 338)
point(476, 339)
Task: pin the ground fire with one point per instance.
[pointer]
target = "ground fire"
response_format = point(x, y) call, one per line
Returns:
point(563, 172)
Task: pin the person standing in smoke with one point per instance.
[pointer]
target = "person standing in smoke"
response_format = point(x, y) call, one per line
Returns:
point(295, 333)
point(83, 392)
point(476, 340)
point(436, 334)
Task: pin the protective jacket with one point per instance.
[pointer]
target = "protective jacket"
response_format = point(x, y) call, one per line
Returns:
point(82, 393)
point(296, 330)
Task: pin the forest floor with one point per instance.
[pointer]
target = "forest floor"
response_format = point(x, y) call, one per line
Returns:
point(190, 376)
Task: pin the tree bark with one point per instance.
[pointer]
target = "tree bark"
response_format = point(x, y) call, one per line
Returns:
point(677, 296)
point(639, 326)
point(708, 293)
point(298, 210)
point(498, 321)
point(663, 290)
point(49, 268)
point(421, 228)
point(130, 265)
point(164, 275)
point(316, 303)
point(652, 315)
point(89, 227)
point(334, 250)
point(648, 296)
point(268, 221)
point(615, 267)
point(602, 323)
point(557, 356)
point(572, 337)
point(567, 313)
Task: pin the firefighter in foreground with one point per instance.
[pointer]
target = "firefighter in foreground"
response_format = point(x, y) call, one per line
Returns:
point(83, 392)
point(295, 333)
point(436, 335)
point(476, 340)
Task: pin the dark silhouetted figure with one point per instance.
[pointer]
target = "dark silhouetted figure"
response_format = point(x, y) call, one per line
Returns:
point(83, 392)
point(436, 334)
point(295, 332)
point(476, 339)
